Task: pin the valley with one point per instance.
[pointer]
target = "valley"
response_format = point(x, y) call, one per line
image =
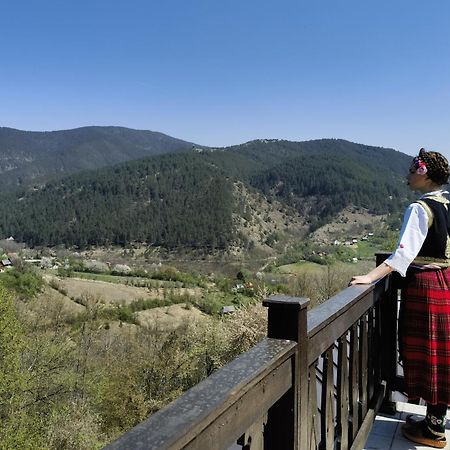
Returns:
point(124, 284)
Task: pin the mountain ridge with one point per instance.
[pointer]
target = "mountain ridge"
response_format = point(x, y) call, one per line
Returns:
point(36, 156)
point(187, 198)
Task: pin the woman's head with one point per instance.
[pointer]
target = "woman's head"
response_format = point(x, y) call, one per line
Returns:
point(432, 164)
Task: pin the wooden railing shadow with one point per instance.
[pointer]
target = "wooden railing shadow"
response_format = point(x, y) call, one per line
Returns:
point(316, 382)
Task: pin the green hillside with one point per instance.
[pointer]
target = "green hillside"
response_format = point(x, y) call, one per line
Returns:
point(171, 200)
point(186, 199)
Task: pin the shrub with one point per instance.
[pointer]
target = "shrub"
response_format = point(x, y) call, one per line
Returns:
point(121, 269)
point(25, 283)
point(96, 267)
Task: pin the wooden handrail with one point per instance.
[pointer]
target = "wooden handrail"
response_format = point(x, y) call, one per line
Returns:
point(217, 410)
point(328, 321)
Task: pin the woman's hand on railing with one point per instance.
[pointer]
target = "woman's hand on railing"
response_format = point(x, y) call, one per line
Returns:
point(379, 272)
point(360, 279)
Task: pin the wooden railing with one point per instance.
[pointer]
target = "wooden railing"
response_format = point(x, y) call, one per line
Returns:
point(316, 382)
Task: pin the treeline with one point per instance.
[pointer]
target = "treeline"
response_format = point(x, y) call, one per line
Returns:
point(186, 199)
point(169, 201)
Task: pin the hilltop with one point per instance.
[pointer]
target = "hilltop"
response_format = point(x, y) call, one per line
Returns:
point(35, 157)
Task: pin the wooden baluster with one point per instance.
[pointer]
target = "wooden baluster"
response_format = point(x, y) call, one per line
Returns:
point(363, 367)
point(253, 439)
point(377, 350)
point(354, 382)
point(371, 355)
point(313, 412)
point(342, 390)
point(327, 410)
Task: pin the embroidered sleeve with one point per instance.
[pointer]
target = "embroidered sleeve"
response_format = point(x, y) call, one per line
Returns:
point(412, 236)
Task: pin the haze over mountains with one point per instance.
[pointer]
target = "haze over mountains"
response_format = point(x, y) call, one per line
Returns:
point(30, 156)
point(185, 195)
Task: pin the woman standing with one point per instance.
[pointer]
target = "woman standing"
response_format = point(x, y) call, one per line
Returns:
point(423, 257)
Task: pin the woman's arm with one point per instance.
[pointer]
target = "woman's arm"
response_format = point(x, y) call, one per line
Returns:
point(379, 272)
point(412, 235)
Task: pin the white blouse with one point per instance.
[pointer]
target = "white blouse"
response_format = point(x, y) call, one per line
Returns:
point(412, 235)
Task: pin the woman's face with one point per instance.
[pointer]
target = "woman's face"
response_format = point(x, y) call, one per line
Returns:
point(418, 182)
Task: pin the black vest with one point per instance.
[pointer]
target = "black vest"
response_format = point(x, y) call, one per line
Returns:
point(436, 241)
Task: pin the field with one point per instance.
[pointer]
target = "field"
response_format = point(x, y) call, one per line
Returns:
point(117, 292)
point(308, 267)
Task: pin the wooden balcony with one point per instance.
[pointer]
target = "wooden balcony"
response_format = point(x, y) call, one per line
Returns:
point(316, 382)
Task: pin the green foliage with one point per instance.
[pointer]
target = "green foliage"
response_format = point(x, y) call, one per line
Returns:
point(168, 273)
point(74, 426)
point(170, 201)
point(272, 239)
point(140, 273)
point(170, 299)
point(167, 276)
point(121, 313)
point(243, 275)
point(211, 303)
point(224, 284)
point(65, 272)
point(336, 182)
point(63, 388)
point(12, 343)
point(19, 429)
point(320, 285)
point(25, 282)
point(298, 252)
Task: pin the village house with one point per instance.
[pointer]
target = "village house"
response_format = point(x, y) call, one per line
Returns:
point(5, 264)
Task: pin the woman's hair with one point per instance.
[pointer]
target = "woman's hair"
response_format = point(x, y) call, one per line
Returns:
point(437, 166)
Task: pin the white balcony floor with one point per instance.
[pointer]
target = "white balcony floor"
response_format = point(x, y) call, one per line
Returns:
point(386, 433)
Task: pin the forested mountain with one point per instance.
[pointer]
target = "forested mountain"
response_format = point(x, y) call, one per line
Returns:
point(187, 199)
point(28, 156)
point(169, 200)
point(320, 177)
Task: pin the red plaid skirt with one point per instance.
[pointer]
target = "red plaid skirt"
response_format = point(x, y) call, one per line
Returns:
point(424, 333)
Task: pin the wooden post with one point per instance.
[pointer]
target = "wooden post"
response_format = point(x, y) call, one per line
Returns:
point(287, 423)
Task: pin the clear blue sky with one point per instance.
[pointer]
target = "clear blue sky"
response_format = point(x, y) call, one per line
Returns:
point(224, 72)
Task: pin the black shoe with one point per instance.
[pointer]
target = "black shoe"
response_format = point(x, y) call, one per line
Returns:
point(420, 433)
